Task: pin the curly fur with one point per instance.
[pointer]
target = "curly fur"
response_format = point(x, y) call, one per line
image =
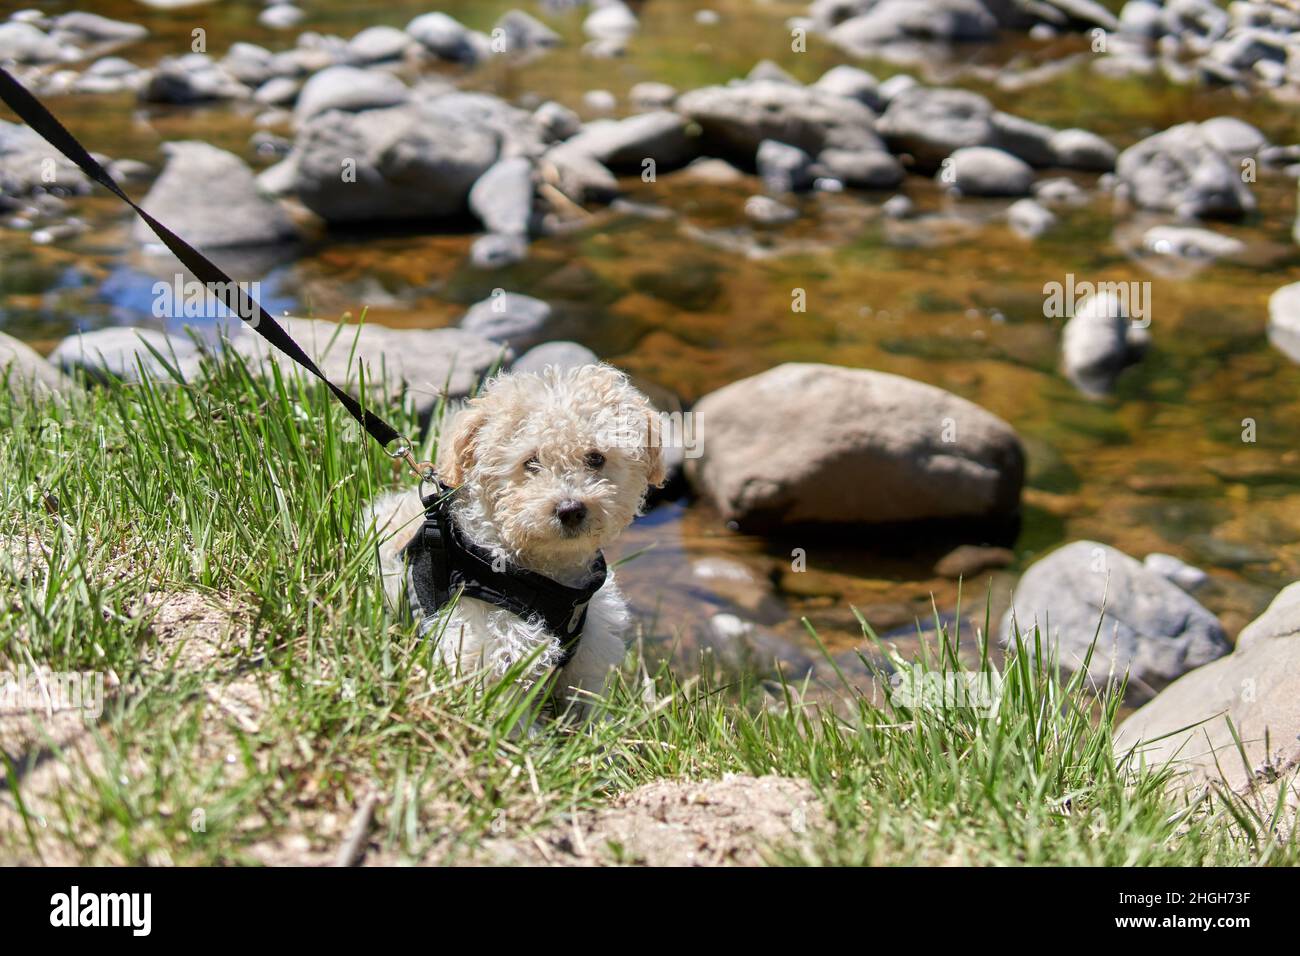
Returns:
point(515, 453)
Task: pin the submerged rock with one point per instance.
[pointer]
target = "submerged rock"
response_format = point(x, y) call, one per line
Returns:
point(805, 444)
point(1099, 342)
point(984, 171)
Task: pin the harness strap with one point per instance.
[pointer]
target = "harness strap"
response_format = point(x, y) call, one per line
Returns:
point(443, 563)
point(231, 294)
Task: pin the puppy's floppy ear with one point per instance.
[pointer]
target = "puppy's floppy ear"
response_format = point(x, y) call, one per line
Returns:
point(653, 451)
point(458, 450)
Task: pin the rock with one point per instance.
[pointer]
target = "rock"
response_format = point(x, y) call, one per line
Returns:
point(1024, 139)
point(852, 83)
point(23, 371)
point(783, 168)
point(610, 21)
point(1181, 171)
point(414, 363)
point(1141, 18)
point(1059, 192)
point(509, 317)
point(277, 91)
point(1247, 701)
point(497, 250)
point(209, 197)
point(1234, 138)
point(1089, 13)
point(524, 33)
point(968, 560)
point(556, 121)
point(736, 119)
point(121, 352)
point(249, 63)
point(502, 198)
point(766, 211)
point(350, 89)
point(1149, 627)
point(767, 70)
point(415, 161)
point(1284, 320)
point(863, 169)
point(805, 444)
point(1188, 242)
point(897, 207)
point(626, 144)
point(561, 355)
point(1029, 219)
point(23, 165)
point(280, 16)
point(444, 37)
point(1099, 342)
point(92, 28)
point(1176, 570)
point(1281, 619)
point(578, 175)
point(719, 172)
point(930, 124)
point(378, 45)
point(599, 102)
point(24, 43)
point(891, 20)
point(984, 171)
point(652, 96)
point(1080, 149)
point(192, 78)
point(895, 86)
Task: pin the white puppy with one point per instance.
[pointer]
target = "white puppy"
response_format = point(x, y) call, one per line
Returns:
point(549, 469)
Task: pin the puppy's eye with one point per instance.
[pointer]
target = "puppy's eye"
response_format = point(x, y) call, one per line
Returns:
point(594, 460)
point(532, 465)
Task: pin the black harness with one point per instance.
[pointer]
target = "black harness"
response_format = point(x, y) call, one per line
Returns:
point(442, 563)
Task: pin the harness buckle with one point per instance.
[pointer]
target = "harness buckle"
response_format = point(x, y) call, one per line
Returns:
point(424, 470)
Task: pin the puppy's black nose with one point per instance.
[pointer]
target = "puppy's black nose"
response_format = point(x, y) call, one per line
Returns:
point(571, 513)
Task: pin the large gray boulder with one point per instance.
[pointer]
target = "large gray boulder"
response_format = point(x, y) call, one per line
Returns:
point(24, 371)
point(661, 136)
point(736, 119)
point(560, 355)
point(406, 162)
point(1252, 695)
point(805, 444)
point(1150, 628)
point(211, 198)
point(1284, 320)
point(1181, 171)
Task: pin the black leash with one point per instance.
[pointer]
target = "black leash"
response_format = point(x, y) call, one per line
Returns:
point(230, 293)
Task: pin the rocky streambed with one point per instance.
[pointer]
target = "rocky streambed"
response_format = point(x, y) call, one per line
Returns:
point(956, 289)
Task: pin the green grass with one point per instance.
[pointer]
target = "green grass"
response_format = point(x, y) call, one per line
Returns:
point(247, 491)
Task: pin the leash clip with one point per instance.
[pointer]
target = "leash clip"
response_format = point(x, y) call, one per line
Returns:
point(424, 470)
